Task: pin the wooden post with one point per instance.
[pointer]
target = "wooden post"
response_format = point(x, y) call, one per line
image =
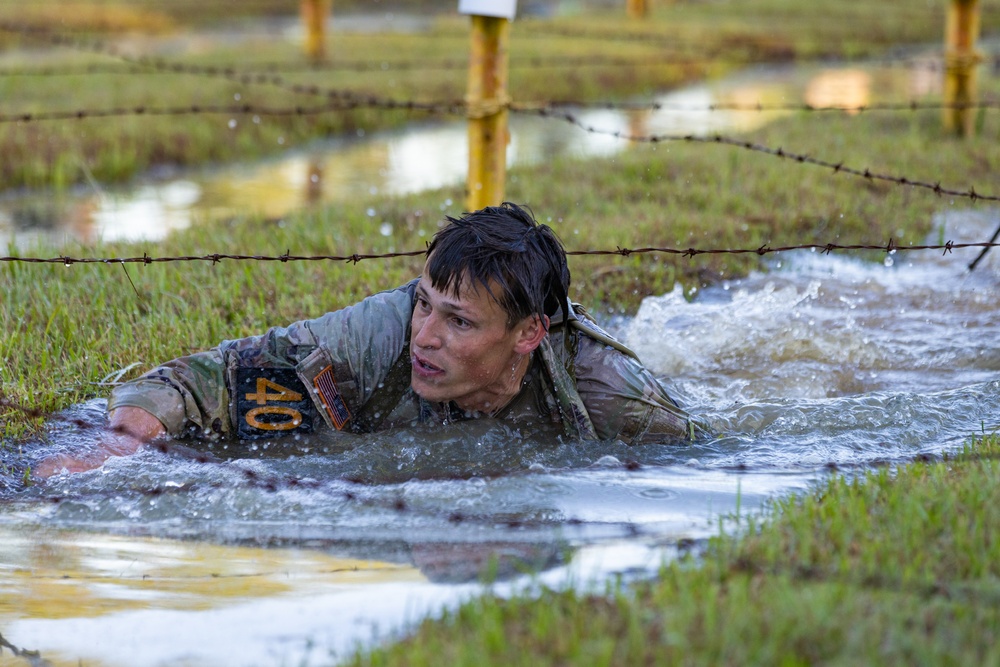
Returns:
point(961, 60)
point(487, 101)
point(314, 14)
point(637, 9)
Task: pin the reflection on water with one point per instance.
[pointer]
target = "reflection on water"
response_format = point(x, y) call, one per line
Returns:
point(425, 156)
point(849, 88)
point(825, 363)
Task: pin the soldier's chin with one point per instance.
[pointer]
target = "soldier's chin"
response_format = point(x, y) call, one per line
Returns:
point(428, 392)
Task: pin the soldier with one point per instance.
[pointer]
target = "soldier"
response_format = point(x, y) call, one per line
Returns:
point(486, 331)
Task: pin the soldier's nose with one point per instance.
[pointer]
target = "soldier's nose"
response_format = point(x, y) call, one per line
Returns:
point(424, 335)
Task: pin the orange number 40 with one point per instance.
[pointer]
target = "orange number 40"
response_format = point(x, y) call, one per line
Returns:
point(263, 396)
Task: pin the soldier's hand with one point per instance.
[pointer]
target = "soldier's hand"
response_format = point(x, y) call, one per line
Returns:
point(131, 428)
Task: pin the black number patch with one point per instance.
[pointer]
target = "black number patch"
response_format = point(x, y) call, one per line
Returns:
point(271, 402)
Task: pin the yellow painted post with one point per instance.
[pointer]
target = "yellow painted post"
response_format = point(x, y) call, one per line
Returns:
point(314, 14)
point(961, 61)
point(487, 102)
point(637, 9)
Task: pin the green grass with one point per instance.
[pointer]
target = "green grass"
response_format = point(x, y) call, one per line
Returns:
point(895, 567)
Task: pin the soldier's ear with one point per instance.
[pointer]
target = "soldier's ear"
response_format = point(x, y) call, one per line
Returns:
point(531, 331)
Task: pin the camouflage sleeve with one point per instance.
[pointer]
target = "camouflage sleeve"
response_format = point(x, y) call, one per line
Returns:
point(624, 400)
point(192, 394)
point(185, 394)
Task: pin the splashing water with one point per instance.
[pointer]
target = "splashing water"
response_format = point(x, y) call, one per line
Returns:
point(826, 363)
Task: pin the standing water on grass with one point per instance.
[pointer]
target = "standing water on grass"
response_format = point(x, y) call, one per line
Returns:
point(431, 155)
point(296, 551)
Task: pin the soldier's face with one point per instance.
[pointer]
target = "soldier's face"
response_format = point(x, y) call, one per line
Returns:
point(461, 349)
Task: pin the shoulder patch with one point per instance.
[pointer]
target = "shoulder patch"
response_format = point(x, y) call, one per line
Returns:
point(331, 397)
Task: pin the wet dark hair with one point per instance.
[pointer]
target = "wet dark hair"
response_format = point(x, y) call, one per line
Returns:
point(502, 246)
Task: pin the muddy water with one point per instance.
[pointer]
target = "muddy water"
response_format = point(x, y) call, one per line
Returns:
point(296, 551)
point(824, 364)
point(428, 156)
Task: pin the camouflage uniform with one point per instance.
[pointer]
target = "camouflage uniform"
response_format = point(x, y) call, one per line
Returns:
point(351, 370)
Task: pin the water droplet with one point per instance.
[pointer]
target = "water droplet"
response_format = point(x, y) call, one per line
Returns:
point(232, 123)
point(385, 229)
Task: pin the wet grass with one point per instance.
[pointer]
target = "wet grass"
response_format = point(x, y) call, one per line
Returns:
point(896, 566)
point(677, 43)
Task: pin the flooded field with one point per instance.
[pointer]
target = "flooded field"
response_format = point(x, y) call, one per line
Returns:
point(826, 365)
point(431, 155)
point(294, 552)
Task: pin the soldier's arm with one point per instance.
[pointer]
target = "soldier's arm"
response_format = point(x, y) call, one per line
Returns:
point(131, 428)
point(625, 401)
point(197, 395)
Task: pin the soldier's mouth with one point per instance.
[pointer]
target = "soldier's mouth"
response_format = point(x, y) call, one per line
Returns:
point(423, 367)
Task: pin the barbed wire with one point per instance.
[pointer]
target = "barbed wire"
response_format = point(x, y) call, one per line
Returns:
point(256, 69)
point(826, 248)
point(459, 107)
point(454, 108)
point(229, 72)
point(166, 66)
point(800, 158)
point(233, 72)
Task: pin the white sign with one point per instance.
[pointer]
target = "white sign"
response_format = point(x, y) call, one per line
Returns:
point(504, 9)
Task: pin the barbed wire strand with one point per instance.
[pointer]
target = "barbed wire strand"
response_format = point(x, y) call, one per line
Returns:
point(553, 108)
point(163, 65)
point(528, 30)
point(142, 64)
point(825, 248)
point(929, 63)
point(801, 158)
point(232, 73)
point(457, 107)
